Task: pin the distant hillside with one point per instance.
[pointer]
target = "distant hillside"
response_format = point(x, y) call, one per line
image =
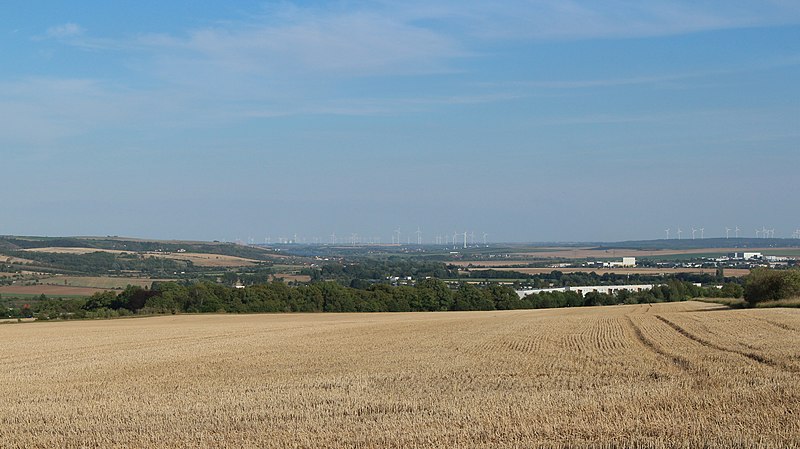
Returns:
point(702, 243)
point(16, 243)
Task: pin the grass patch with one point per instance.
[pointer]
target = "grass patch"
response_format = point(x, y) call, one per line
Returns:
point(734, 303)
point(788, 302)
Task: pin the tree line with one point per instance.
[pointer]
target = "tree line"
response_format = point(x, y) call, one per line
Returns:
point(430, 294)
point(277, 297)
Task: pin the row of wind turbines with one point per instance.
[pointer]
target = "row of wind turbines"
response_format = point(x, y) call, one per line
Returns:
point(459, 239)
point(760, 233)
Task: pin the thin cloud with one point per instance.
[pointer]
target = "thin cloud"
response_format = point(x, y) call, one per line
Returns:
point(65, 30)
point(352, 44)
point(583, 19)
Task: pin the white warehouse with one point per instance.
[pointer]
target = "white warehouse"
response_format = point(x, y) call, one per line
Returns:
point(626, 262)
point(582, 290)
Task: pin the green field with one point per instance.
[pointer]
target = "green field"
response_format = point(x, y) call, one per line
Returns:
point(98, 281)
point(35, 296)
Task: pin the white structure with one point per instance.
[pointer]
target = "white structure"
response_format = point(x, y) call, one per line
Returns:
point(626, 262)
point(745, 256)
point(582, 290)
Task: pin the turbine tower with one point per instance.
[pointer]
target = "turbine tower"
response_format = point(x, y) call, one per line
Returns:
point(727, 232)
point(702, 233)
point(694, 231)
point(667, 231)
point(419, 236)
point(679, 232)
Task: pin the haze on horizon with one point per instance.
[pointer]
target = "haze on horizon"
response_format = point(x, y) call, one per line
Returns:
point(528, 120)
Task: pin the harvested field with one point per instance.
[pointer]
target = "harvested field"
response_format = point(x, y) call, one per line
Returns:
point(661, 376)
point(17, 260)
point(601, 271)
point(489, 263)
point(293, 277)
point(49, 290)
point(208, 260)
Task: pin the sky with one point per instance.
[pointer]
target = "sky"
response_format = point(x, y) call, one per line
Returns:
point(527, 120)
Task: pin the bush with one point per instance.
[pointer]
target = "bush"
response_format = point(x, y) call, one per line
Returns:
point(763, 284)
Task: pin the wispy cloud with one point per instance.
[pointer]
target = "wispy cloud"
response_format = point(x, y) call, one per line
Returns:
point(65, 30)
point(584, 19)
point(44, 111)
point(293, 60)
point(350, 43)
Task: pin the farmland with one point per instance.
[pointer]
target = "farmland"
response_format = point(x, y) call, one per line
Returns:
point(663, 375)
point(103, 282)
point(566, 253)
point(624, 271)
point(199, 259)
point(48, 290)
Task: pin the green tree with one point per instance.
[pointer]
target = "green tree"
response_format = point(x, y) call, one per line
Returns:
point(434, 294)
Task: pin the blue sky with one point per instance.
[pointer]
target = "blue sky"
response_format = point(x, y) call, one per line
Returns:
point(527, 120)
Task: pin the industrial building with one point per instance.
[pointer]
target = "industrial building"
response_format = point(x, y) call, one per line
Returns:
point(626, 262)
point(582, 290)
point(745, 256)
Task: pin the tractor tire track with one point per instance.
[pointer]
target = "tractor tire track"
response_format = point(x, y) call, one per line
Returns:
point(750, 355)
point(676, 360)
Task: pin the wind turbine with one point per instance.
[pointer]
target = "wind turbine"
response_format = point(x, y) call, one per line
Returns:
point(694, 231)
point(679, 232)
point(702, 233)
point(667, 231)
point(772, 233)
point(727, 232)
point(758, 231)
point(465, 239)
point(419, 236)
point(485, 234)
point(764, 231)
point(737, 231)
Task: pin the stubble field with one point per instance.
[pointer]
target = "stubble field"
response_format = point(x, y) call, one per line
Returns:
point(660, 376)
